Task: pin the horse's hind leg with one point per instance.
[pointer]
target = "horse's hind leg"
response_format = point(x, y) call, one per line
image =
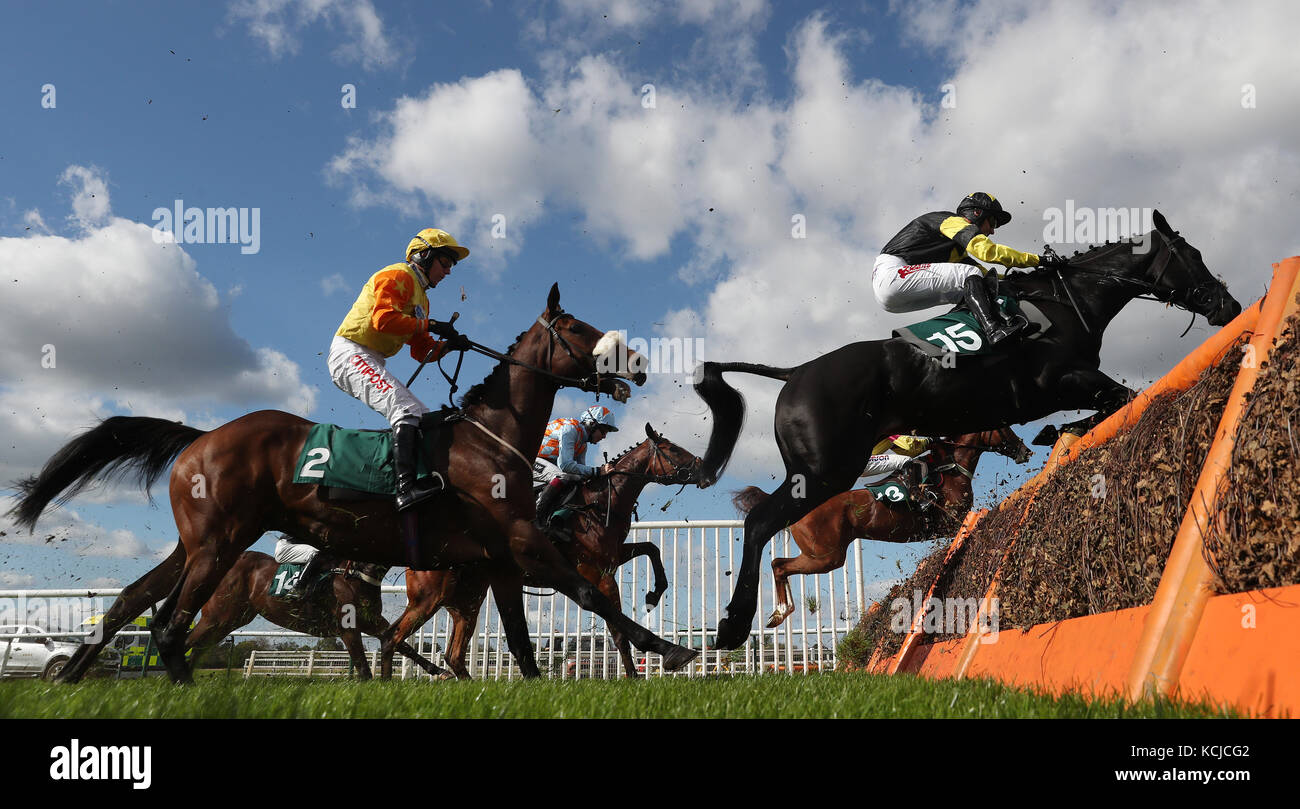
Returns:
point(782, 508)
point(425, 592)
point(134, 600)
point(609, 588)
point(464, 606)
point(219, 618)
point(351, 638)
point(543, 564)
point(203, 573)
point(823, 541)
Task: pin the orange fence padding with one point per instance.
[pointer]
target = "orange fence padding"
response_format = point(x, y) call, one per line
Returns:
point(1241, 650)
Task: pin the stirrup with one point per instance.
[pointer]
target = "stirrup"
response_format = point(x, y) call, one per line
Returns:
point(411, 493)
point(1014, 324)
point(308, 580)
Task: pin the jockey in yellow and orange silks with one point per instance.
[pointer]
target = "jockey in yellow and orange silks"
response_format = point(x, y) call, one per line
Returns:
point(392, 311)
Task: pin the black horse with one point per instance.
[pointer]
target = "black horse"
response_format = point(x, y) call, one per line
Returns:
point(834, 408)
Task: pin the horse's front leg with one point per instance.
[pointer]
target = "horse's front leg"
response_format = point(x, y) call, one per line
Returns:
point(508, 593)
point(1090, 389)
point(650, 551)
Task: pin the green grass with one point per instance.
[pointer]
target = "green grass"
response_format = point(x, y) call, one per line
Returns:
point(830, 695)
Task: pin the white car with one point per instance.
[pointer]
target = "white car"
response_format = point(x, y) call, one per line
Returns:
point(34, 653)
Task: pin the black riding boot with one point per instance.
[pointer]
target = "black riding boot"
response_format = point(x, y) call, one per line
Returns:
point(548, 503)
point(307, 579)
point(982, 305)
point(410, 491)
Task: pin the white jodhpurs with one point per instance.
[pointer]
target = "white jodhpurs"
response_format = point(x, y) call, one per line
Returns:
point(293, 553)
point(360, 372)
point(903, 287)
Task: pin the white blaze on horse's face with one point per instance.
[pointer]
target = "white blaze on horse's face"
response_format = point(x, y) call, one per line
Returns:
point(614, 357)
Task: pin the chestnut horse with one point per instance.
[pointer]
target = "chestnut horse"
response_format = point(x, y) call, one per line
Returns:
point(349, 606)
point(247, 468)
point(825, 535)
point(602, 516)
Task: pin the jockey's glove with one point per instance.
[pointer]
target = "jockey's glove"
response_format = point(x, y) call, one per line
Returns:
point(443, 329)
point(457, 342)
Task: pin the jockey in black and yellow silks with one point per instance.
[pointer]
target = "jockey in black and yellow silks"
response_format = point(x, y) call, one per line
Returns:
point(930, 262)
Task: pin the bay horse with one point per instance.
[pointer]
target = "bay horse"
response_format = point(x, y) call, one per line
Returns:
point(350, 605)
point(602, 517)
point(834, 408)
point(230, 485)
point(825, 535)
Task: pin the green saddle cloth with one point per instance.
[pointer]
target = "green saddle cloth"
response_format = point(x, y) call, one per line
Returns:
point(285, 579)
point(957, 332)
point(894, 494)
point(361, 460)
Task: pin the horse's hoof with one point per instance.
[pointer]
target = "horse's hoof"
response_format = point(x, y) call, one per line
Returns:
point(776, 618)
point(679, 656)
point(730, 635)
point(652, 600)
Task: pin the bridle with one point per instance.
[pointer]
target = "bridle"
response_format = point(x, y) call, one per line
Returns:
point(1198, 296)
point(589, 383)
point(953, 466)
point(680, 474)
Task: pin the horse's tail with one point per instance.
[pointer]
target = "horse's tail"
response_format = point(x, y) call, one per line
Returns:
point(728, 408)
point(112, 449)
point(748, 498)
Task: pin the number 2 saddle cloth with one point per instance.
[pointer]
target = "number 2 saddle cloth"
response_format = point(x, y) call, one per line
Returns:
point(361, 460)
point(958, 332)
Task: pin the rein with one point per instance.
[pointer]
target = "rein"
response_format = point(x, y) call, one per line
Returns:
point(590, 384)
point(680, 474)
point(1147, 289)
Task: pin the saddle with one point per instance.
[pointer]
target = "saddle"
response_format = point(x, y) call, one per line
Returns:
point(352, 464)
point(958, 333)
point(559, 528)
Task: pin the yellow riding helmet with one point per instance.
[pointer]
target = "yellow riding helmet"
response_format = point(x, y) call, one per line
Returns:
point(434, 238)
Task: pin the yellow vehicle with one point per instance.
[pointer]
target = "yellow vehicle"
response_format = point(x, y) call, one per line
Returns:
point(130, 655)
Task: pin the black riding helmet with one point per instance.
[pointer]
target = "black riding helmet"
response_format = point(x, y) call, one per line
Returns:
point(979, 206)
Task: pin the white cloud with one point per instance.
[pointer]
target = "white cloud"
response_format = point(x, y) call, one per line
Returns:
point(334, 283)
point(281, 24)
point(32, 219)
point(1145, 110)
point(9, 579)
point(466, 151)
point(90, 203)
point(81, 341)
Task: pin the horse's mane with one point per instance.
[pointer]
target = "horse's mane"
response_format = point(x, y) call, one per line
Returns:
point(478, 393)
point(1096, 258)
point(619, 456)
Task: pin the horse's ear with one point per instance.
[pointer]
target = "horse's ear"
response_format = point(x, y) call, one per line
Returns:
point(553, 300)
point(1161, 223)
point(651, 434)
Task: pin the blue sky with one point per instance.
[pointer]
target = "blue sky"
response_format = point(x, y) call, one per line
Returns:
point(671, 220)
